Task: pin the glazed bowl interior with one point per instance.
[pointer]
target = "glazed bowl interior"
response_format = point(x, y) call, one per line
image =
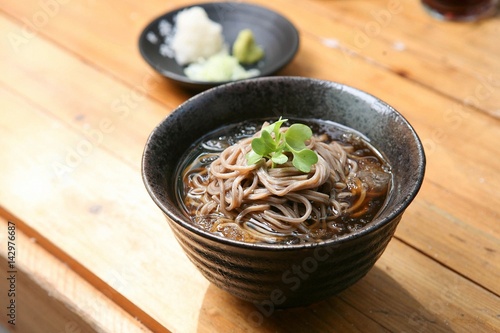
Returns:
point(240, 267)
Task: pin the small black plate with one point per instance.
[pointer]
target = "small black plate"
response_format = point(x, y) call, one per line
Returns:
point(273, 32)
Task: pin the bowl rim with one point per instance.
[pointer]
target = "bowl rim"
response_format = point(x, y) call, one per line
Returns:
point(373, 225)
point(183, 79)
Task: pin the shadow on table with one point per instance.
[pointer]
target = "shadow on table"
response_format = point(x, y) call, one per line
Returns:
point(377, 303)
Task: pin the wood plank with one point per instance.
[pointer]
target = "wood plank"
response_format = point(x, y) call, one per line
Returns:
point(129, 134)
point(210, 303)
point(50, 297)
point(97, 42)
point(104, 113)
point(428, 296)
point(444, 60)
point(451, 124)
point(437, 228)
point(95, 218)
point(57, 111)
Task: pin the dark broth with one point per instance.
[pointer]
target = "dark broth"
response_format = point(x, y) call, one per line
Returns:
point(207, 149)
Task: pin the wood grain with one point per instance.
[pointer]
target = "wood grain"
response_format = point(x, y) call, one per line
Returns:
point(51, 297)
point(78, 103)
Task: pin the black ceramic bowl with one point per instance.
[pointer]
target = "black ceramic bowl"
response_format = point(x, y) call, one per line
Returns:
point(286, 275)
point(277, 36)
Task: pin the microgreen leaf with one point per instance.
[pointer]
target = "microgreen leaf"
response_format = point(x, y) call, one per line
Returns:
point(263, 145)
point(295, 138)
point(304, 159)
point(272, 144)
point(279, 158)
point(274, 127)
point(296, 135)
point(253, 157)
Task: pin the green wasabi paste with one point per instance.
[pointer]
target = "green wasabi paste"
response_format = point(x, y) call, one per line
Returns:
point(245, 48)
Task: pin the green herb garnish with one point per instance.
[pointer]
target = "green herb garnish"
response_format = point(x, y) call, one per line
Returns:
point(273, 145)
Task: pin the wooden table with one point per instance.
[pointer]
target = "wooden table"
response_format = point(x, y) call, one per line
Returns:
point(92, 251)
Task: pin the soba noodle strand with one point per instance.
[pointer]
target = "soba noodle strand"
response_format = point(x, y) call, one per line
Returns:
point(271, 204)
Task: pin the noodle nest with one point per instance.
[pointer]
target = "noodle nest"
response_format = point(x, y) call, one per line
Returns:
point(280, 204)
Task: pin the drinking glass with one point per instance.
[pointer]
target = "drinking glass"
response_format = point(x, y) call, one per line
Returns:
point(460, 10)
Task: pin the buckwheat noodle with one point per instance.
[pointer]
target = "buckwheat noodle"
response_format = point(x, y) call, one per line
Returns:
point(260, 203)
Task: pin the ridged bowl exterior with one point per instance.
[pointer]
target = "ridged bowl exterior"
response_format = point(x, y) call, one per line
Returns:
point(286, 275)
